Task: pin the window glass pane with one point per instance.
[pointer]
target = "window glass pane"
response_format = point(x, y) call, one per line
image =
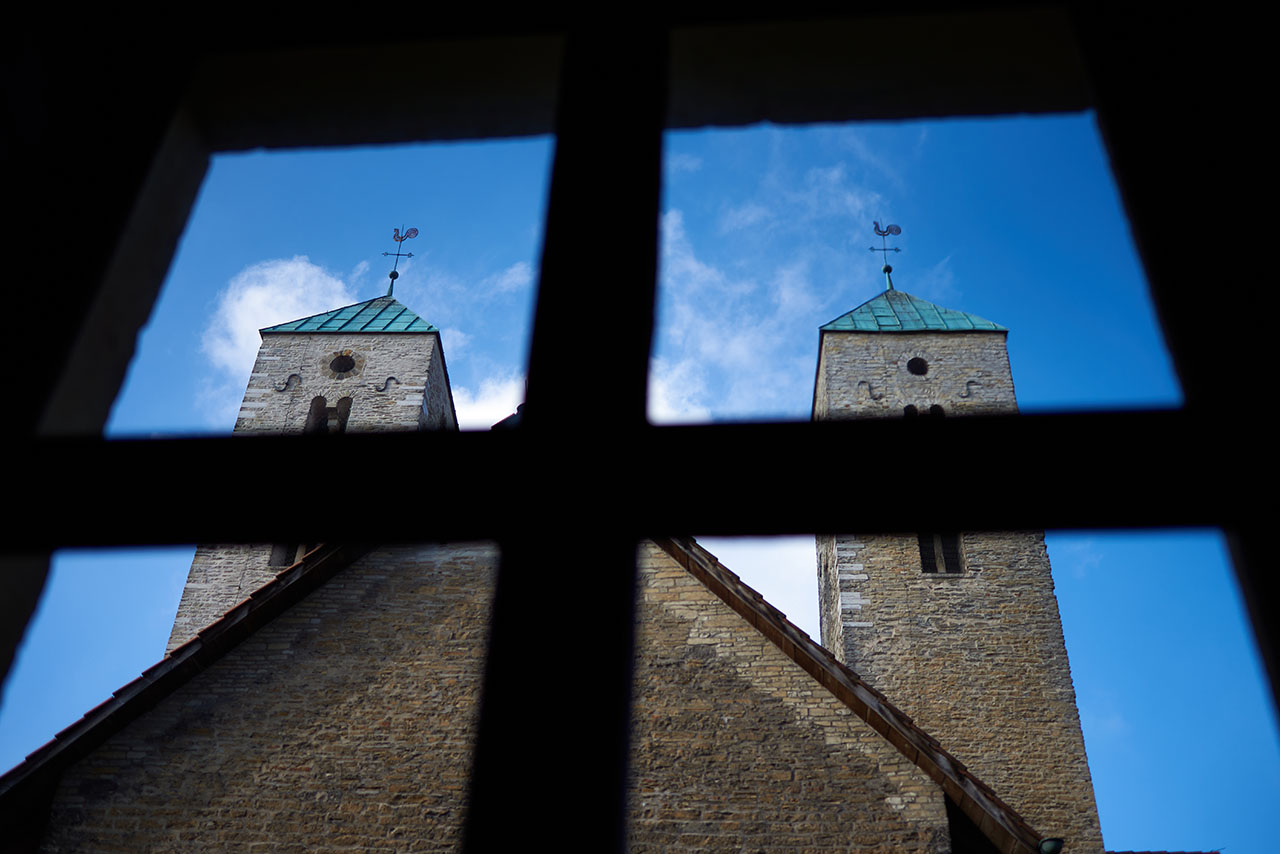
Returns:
point(1147, 617)
point(766, 233)
point(280, 236)
point(402, 621)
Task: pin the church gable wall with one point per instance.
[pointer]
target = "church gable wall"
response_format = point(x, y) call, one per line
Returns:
point(736, 748)
point(386, 383)
point(347, 721)
point(330, 726)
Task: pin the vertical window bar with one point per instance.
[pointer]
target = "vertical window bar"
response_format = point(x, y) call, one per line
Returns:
point(556, 701)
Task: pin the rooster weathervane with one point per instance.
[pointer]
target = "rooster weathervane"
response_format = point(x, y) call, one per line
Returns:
point(399, 239)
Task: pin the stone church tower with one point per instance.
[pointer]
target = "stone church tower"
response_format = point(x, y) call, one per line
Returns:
point(323, 697)
point(960, 628)
point(372, 366)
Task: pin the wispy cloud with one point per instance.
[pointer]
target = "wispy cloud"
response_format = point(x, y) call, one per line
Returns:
point(729, 345)
point(455, 341)
point(744, 216)
point(676, 392)
point(827, 191)
point(515, 278)
point(938, 283)
point(1079, 557)
point(686, 163)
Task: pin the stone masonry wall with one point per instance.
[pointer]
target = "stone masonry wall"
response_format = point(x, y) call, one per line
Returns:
point(220, 578)
point(346, 724)
point(329, 729)
point(399, 383)
point(865, 374)
point(737, 749)
point(976, 658)
point(386, 387)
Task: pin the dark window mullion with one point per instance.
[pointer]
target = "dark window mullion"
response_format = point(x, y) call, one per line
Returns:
point(556, 703)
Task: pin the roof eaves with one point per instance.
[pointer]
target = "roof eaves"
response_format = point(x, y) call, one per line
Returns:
point(997, 820)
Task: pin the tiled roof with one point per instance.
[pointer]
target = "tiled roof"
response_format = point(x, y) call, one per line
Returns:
point(381, 314)
point(898, 311)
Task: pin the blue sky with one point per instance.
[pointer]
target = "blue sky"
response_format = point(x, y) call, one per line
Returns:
point(765, 236)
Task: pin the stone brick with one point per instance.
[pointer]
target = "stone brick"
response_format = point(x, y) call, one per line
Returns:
point(976, 658)
point(348, 721)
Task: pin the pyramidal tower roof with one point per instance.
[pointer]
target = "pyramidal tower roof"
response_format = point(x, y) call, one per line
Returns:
point(380, 314)
point(898, 311)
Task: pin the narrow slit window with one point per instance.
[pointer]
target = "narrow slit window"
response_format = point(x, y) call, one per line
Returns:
point(941, 553)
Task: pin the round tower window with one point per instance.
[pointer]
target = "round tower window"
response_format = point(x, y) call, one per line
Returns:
point(344, 363)
point(918, 366)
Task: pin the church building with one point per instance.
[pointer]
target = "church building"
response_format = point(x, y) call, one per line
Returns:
point(324, 696)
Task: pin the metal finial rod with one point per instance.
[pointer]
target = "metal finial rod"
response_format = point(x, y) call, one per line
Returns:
point(399, 239)
point(885, 249)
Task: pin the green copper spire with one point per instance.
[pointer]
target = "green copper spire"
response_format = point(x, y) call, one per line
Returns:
point(898, 311)
point(381, 314)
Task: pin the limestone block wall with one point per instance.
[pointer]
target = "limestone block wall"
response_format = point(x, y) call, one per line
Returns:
point(399, 382)
point(346, 724)
point(329, 729)
point(868, 374)
point(977, 658)
point(735, 748)
point(220, 577)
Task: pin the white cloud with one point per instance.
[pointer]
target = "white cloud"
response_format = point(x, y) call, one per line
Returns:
point(497, 398)
point(938, 283)
point(358, 273)
point(827, 193)
point(744, 216)
point(676, 390)
point(676, 163)
point(792, 294)
point(680, 265)
point(1077, 556)
point(783, 569)
point(260, 295)
point(729, 346)
point(516, 277)
point(455, 341)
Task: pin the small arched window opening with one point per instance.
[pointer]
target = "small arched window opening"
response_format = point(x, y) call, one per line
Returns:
point(317, 417)
point(910, 411)
point(343, 412)
point(328, 419)
point(937, 412)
